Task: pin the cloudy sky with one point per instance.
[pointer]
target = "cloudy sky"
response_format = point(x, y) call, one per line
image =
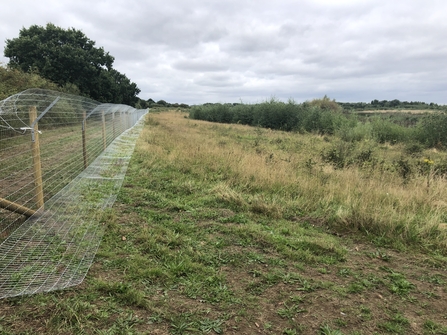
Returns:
point(197, 51)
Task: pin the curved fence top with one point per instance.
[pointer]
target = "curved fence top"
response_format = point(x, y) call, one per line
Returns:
point(53, 108)
point(62, 157)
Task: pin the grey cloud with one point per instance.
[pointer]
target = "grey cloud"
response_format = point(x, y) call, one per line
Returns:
point(218, 80)
point(196, 51)
point(256, 39)
point(199, 66)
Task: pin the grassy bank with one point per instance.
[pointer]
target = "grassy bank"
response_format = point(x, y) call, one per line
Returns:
point(239, 230)
point(395, 192)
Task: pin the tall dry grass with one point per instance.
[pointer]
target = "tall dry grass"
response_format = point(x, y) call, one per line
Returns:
point(283, 175)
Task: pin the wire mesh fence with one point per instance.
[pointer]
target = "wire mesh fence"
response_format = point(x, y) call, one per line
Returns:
point(62, 158)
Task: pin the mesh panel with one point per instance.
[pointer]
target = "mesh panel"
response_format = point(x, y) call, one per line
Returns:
point(49, 227)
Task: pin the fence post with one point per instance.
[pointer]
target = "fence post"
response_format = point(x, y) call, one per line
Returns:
point(84, 144)
point(37, 166)
point(113, 125)
point(104, 140)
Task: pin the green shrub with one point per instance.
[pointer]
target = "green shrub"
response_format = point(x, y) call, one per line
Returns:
point(404, 168)
point(432, 130)
point(413, 148)
point(357, 132)
point(243, 114)
point(386, 131)
point(339, 154)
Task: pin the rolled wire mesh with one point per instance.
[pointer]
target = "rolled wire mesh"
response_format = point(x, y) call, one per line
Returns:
point(84, 150)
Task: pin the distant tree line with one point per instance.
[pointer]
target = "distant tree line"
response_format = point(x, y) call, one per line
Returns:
point(391, 104)
point(160, 103)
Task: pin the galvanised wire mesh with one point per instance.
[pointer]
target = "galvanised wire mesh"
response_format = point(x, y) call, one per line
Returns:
point(62, 161)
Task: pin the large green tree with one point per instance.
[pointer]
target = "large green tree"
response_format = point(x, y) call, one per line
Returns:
point(68, 56)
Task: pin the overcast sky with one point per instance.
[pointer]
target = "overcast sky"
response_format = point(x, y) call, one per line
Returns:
point(197, 51)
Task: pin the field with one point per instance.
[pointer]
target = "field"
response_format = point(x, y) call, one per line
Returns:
point(239, 230)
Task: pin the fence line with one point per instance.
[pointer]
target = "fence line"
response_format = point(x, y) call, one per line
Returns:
point(61, 158)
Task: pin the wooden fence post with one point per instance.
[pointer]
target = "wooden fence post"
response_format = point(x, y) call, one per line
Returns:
point(13, 207)
point(37, 166)
point(113, 125)
point(84, 144)
point(104, 140)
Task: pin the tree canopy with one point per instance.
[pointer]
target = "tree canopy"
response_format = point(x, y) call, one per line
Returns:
point(69, 57)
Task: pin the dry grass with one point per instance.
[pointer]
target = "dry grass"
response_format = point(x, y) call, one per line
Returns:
point(288, 171)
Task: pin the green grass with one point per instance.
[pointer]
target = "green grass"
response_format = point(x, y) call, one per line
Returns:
point(195, 246)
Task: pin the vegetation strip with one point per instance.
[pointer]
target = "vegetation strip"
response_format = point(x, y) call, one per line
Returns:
point(327, 117)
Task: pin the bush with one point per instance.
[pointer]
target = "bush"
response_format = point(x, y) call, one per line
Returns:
point(339, 155)
point(413, 148)
point(323, 121)
point(243, 114)
point(386, 131)
point(355, 133)
point(432, 130)
point(404, 168)
point(326, 104)
point(275, 114)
